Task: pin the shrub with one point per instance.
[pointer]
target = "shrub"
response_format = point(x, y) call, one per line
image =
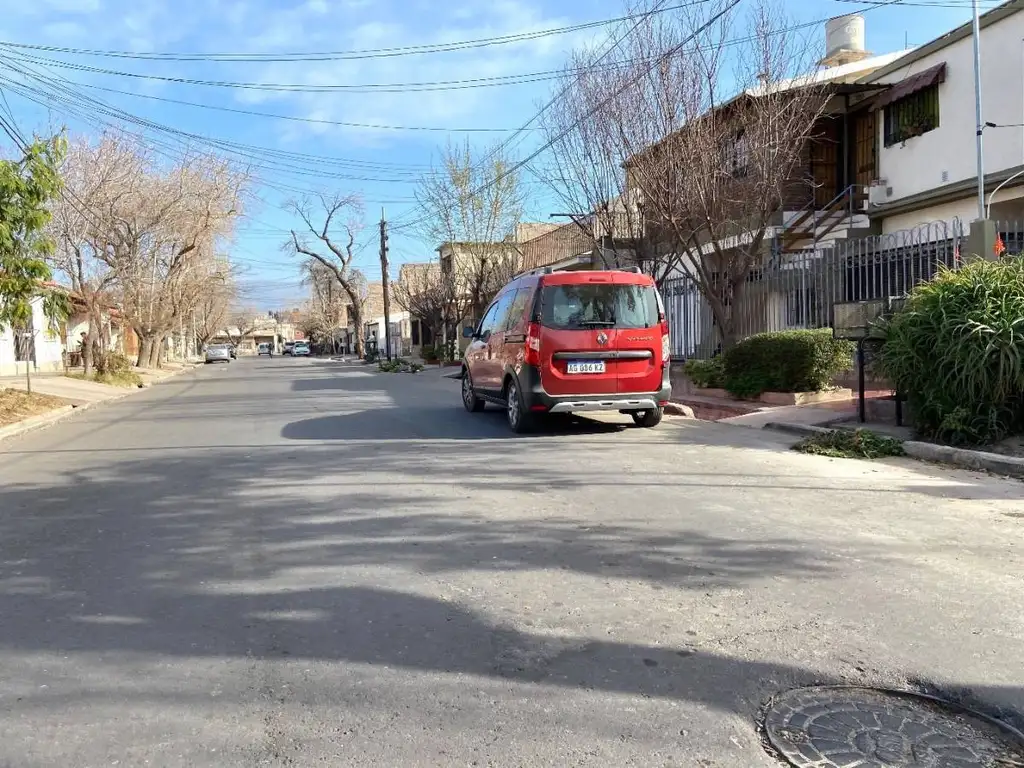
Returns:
point(956, 351)
point(847, 444)
point(706, 373)
point(786, 361)
point(111, 362)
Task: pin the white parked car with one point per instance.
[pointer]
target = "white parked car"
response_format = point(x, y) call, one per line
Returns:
point(300, 349)
point(218, 353)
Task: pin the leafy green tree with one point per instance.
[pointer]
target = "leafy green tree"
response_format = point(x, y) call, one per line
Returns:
point(27, 188)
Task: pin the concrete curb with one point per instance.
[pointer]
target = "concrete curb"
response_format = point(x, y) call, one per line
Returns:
point(36, 422)
point(978, 460)
point(943, 454)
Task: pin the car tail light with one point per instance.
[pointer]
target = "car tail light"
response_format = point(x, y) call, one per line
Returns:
point(666, 345)
point(532, 356)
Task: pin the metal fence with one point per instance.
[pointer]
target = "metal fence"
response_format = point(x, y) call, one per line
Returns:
point(799, 289)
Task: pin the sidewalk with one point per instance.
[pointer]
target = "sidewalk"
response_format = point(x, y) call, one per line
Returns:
point(74, 391)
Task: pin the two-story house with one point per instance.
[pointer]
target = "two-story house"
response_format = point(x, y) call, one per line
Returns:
point(924, 143)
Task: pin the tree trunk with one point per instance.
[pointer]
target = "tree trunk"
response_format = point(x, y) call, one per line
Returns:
point(87, 351)
point(357, 320)
point(145, 349)
point(156, 351)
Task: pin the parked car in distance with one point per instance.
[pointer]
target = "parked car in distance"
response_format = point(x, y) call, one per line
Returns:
point(300, 349)
point(568, 342)
point(218, 353)
point(265, 348)
point(288, 345)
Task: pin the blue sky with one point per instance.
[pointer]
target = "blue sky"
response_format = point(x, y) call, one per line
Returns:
point(379, 163)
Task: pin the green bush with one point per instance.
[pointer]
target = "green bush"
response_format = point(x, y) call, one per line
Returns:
point(706, 373)
point(956, 351)
point(112, 363)
point(847, 444)
point(786, 361)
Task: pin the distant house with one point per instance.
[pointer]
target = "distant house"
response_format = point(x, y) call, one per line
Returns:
point(37, 346)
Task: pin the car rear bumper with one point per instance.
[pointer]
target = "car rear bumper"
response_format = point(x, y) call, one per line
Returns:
point(539, 400)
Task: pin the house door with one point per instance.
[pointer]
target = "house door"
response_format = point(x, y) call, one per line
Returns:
point(825, 161)
point(865, 143)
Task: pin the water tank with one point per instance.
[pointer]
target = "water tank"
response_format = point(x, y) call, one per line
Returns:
point(844, 39)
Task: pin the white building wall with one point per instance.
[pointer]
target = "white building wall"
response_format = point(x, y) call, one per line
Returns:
point(918, 164)
point(49, 346)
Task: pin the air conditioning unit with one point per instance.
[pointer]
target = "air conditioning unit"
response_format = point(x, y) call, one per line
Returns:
point(878, 192)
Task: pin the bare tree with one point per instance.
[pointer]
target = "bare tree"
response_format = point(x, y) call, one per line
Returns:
point(334, 222)
point(211, 311)
point(156, 227)
point(423, 292)
point(326, 311)
point(472, 203)
point(706, 170)
point(92, 171)
point(242, 323)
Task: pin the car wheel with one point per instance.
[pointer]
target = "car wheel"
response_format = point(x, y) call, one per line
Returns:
point(519, 419)
point(650, 418)
point(469, 399)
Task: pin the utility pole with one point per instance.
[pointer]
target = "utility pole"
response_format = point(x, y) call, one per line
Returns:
point(384, 281)
point(980, 127)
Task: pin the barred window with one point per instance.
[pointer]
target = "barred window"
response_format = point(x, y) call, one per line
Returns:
point(912, 115)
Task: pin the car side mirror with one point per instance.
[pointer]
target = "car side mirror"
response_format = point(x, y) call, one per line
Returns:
point(468, 332)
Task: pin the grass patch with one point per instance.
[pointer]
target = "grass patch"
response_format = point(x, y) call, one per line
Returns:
point(111, 378)
point(16, 405)
point(850, 444)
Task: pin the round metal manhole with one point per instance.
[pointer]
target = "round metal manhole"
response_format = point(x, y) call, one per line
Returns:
point(844, 727)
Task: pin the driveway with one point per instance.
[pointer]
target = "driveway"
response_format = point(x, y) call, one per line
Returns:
point(296, 562)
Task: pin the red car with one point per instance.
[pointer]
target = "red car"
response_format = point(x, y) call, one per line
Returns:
point(567, 342)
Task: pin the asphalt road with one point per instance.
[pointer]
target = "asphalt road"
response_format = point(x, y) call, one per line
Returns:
point(297, 563)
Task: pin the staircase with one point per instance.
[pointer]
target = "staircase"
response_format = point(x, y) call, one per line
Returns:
point(814, 224)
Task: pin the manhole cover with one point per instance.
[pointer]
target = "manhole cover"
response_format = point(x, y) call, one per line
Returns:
point(843, 727)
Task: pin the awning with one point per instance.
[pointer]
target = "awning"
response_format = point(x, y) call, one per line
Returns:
point(911, 85)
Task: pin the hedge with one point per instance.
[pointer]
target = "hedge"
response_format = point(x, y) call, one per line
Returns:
point(956, 351)
point(786, 361)
point(706, 373)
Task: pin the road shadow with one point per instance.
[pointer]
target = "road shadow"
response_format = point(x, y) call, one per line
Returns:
point(437, 423)
point(191, 557)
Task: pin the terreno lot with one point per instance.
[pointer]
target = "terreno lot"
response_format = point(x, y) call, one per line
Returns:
point(294, 562)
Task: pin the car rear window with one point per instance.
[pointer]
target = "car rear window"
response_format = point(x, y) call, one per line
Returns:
point(598, 305)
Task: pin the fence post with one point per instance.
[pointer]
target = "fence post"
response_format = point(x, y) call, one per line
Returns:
point(981, 241)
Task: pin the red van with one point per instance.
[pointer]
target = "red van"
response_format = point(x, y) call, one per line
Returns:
point(567, 342)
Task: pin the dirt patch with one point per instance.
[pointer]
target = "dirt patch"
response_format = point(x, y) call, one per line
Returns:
point(16, 405)
point(1011, 446)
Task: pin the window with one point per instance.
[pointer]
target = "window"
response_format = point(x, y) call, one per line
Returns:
point(582, 307)
point(912, 115)
point(24, 344)
point(497, 323)
point(487, 323)
point(514, 322)
point(415, 333)
point(736, 155)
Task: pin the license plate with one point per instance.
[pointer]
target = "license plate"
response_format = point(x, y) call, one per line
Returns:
point(585, 366)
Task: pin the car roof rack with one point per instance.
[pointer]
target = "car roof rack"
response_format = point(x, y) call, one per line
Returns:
point(537, 271)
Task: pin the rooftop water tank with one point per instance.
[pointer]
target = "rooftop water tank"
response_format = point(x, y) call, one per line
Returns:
point(844, 40)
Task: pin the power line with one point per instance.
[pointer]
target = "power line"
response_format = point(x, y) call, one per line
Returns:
point(335, 55)
point(312, 120)
point(361, 88)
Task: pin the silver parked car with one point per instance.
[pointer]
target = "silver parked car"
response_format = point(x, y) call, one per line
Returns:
point(218, 353)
